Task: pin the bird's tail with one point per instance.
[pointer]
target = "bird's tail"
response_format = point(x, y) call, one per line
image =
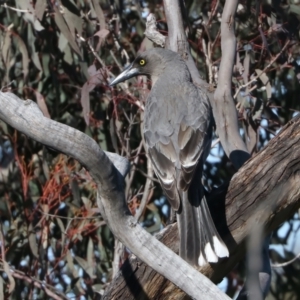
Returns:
point(200, 241)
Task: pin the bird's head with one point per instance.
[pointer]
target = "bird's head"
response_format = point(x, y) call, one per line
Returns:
point(151, 62)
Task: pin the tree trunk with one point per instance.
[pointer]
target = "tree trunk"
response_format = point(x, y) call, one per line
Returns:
point(265, 192)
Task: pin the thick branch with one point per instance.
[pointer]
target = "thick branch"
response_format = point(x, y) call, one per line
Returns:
point(223, 106)
point(27, 118)
point(177, 40)
point(265, 191)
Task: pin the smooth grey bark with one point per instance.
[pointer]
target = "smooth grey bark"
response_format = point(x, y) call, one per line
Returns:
point(177, 40)
point(223, 105)
point(26, 117)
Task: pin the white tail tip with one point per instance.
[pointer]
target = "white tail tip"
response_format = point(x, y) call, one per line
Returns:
point(201, 260)
point(220, 248)
point(210, 253)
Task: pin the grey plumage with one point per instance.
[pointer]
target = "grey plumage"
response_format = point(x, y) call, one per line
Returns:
point(177, 131)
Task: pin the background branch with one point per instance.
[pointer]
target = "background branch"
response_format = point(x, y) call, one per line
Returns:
point(223, 106)
point(177, 40)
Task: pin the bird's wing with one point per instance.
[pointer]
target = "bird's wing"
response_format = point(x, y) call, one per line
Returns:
point(194, 134)
point(174, 132)
point(190, 142)
point(161, 150)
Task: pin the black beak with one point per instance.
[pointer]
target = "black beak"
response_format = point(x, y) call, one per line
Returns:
point(129, 72)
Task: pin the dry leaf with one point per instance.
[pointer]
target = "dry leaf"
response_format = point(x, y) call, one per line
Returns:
point(24, 52)
point(102, 34)
point(92, 82)
point(265, 80)
point(99, 13)
point(26, 5)
point(63, 27)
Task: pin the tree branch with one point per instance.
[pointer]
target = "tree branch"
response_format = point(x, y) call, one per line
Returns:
point(26, 117)
point(177, 40)
point(223, 106)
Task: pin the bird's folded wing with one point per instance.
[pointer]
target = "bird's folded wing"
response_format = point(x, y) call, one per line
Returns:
point(172, 162)
point(166, 172)
point(190, 142)
point(175, 134)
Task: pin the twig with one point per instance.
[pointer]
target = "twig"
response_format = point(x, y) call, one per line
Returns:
point(215, 41)
point(145, 175)
point(215, 143)
point(131, 121)
point(6, 268)
point(57, 295)
point(207, 52)
point(69, 218)
point(123, 85)
point(16, 9)
point(115, 59)
point(118, 253)
point(133, 171)
point(146, 194)
point(286, 263)
point(213, 13)
point(117, 44)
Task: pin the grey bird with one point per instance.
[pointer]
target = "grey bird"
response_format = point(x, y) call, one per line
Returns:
point(177, 131)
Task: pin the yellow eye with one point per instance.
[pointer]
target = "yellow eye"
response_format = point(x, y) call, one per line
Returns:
point(142, 62)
